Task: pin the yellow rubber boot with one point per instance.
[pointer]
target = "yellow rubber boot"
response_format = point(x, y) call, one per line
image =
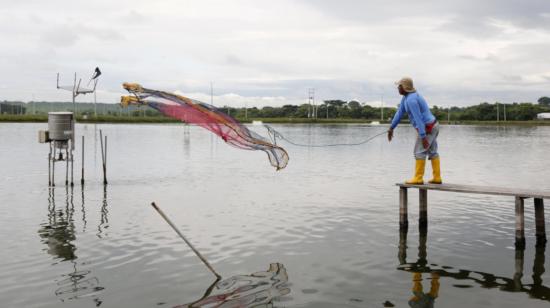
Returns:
point(434, 290)
point(419, 173)
point(436, 171)
point(417, 286)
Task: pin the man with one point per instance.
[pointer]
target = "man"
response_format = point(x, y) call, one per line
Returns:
point(427, 127)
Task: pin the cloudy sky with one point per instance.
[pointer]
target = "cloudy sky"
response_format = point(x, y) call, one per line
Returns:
point(260, 53)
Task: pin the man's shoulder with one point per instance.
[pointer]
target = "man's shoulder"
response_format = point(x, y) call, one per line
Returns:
point(412, 97)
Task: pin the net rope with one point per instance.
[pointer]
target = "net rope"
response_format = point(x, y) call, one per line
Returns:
point(274, 134)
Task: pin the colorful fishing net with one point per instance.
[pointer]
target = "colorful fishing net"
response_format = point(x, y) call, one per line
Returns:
point(205, 115)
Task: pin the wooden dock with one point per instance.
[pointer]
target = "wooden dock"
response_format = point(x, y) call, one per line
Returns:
point(519, 194)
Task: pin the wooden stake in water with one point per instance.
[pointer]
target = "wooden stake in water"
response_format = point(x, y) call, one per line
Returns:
point(103, 156)
point(82, 174)
point(203, 259)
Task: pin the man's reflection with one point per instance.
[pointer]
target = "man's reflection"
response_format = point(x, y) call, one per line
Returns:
point(485, 280)
point(421, 299)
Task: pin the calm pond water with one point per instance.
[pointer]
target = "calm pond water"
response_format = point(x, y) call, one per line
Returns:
point(321, 233)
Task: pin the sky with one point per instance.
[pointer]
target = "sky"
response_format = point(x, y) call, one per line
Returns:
point(259, 53)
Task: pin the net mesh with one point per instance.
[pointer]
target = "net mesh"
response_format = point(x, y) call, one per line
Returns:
point(207, 116)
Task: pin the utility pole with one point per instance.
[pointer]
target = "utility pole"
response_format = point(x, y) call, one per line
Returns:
point(498, 113)
point(211, 93)
point(95, 106)
point(504, 112)
point(326, 105)
point(311, 104)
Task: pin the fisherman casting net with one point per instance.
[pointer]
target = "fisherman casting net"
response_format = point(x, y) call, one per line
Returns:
point(207, 116)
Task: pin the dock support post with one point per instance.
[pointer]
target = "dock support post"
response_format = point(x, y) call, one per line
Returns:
point(403, 212)
point(539, 222)
point(520, 223)
point(402, 253)
point(518, 273)
point(422, 247)
point(538, 265)
point(423, 205)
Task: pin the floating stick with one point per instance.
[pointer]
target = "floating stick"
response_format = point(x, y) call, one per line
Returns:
point(203, 259)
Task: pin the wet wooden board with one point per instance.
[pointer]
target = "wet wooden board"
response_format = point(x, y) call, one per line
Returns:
point(486, 190)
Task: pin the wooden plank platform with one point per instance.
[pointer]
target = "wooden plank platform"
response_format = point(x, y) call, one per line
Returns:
point(519, 194)
point(485, 190)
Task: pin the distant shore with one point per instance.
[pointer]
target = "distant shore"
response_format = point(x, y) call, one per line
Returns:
point(160, 119)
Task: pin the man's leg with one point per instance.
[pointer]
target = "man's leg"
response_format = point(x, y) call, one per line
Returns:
point(420, 155)
point(434, 156)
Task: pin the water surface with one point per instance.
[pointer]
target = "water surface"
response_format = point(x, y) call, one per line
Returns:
point(330, 220)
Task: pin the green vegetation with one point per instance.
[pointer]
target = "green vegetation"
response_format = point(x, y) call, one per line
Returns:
point(330, 111)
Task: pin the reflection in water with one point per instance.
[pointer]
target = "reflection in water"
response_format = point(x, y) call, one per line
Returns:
point(83, 209)
point(104, 221)
point(58, 233)
point(186, 140)
point(485, 280)
point(421, 299)
point(254, 290)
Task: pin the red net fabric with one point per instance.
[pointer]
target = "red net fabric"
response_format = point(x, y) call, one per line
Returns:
point(195, 112)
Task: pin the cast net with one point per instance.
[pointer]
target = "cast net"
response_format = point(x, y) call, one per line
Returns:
point(207, 116)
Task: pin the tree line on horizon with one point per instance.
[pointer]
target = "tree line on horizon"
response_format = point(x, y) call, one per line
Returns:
point(331, 109)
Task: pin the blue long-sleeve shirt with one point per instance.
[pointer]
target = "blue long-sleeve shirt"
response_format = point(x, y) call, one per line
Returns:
point(417, 109)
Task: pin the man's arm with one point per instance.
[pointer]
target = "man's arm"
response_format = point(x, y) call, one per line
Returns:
point(398, 115)
point(396, 118)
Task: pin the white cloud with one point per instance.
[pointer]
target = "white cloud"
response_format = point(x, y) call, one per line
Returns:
point(259, 53)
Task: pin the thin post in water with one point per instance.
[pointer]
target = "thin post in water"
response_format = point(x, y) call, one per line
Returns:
point(50, 166)
point(82, 174)
point(103, 157)
point(203, 259)
point(67, 165)
point(53, 166)
point(72, 161)
point(105, 163)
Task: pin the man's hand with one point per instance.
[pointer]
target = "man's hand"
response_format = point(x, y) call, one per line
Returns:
point(390, 134)
point(425, 143)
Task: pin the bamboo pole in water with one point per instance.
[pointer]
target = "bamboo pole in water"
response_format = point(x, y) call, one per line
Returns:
point(103, 156)
point(72, 161)
point(67, 165)
point(50, 166)
point(203, 259)
point(82, 174)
